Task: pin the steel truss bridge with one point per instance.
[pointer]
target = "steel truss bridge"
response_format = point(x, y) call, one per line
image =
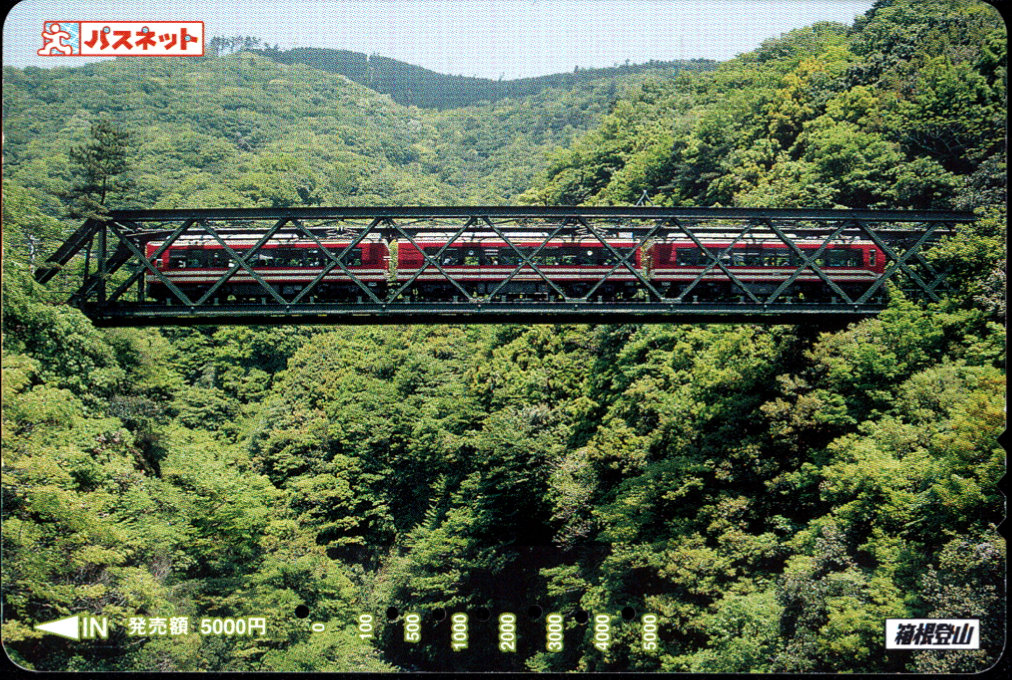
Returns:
point(109, 256)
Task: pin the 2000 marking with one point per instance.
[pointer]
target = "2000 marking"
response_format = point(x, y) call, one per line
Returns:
point(507, 632)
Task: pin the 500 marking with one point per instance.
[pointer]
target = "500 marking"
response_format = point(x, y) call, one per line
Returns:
point(412, 627)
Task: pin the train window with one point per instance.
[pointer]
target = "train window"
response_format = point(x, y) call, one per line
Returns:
point(604, 257)
point(778, 257)
point(267, 258)
point(177, 260)
point(510, 257)
point(622, 252)
point(747, 258)
point(690, 257)
point(352, 259)
point(871, 257)
point(449, 257)
point(217, 258)
point(842, 258)
point(529, 254)
point(286, 257)
point(471, 257)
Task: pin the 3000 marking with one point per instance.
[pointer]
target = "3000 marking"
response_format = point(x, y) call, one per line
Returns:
point(553, 632)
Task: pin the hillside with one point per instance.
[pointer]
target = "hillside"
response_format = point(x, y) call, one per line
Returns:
point(416, 86)
point(242, 130)
point(771, 494)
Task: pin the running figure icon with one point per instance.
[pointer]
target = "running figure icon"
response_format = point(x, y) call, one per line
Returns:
point(55, 38)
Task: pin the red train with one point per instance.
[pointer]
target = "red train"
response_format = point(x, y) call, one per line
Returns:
point(484, 266)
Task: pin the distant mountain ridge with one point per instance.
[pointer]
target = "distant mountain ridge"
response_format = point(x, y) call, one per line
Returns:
point(412, 85)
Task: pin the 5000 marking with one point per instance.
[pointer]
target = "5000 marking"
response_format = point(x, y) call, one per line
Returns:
point(649, 632)
point(229, 626)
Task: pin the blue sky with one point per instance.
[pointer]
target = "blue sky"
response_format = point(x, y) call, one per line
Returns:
point(508, 38)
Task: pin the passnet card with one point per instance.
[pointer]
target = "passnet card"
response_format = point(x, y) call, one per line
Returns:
point(571, 336)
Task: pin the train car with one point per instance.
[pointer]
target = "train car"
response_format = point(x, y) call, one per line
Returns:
point(762, 267)
point(287, 266)
point(484, 266)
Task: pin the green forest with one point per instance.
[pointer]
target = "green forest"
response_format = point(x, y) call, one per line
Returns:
point(413, 85)
point(771, 494)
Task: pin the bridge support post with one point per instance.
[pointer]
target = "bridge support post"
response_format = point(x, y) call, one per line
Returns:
point(100, 259)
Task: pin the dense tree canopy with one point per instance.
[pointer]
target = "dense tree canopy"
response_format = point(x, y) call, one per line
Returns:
point(771, 494)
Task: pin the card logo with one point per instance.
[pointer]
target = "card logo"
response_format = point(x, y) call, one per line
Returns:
point(122, 39)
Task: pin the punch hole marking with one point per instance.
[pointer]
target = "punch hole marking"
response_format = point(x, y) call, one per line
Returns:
point(438, 614)
point(581, 616)
point(534, 612)
point(482, 614)
point(628, 613)
point(302, 611)
point(392, 613)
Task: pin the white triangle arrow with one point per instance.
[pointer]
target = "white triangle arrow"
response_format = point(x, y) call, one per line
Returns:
point(67, 627)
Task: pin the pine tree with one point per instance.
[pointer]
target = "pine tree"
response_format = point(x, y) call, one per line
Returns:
point(100, 167)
